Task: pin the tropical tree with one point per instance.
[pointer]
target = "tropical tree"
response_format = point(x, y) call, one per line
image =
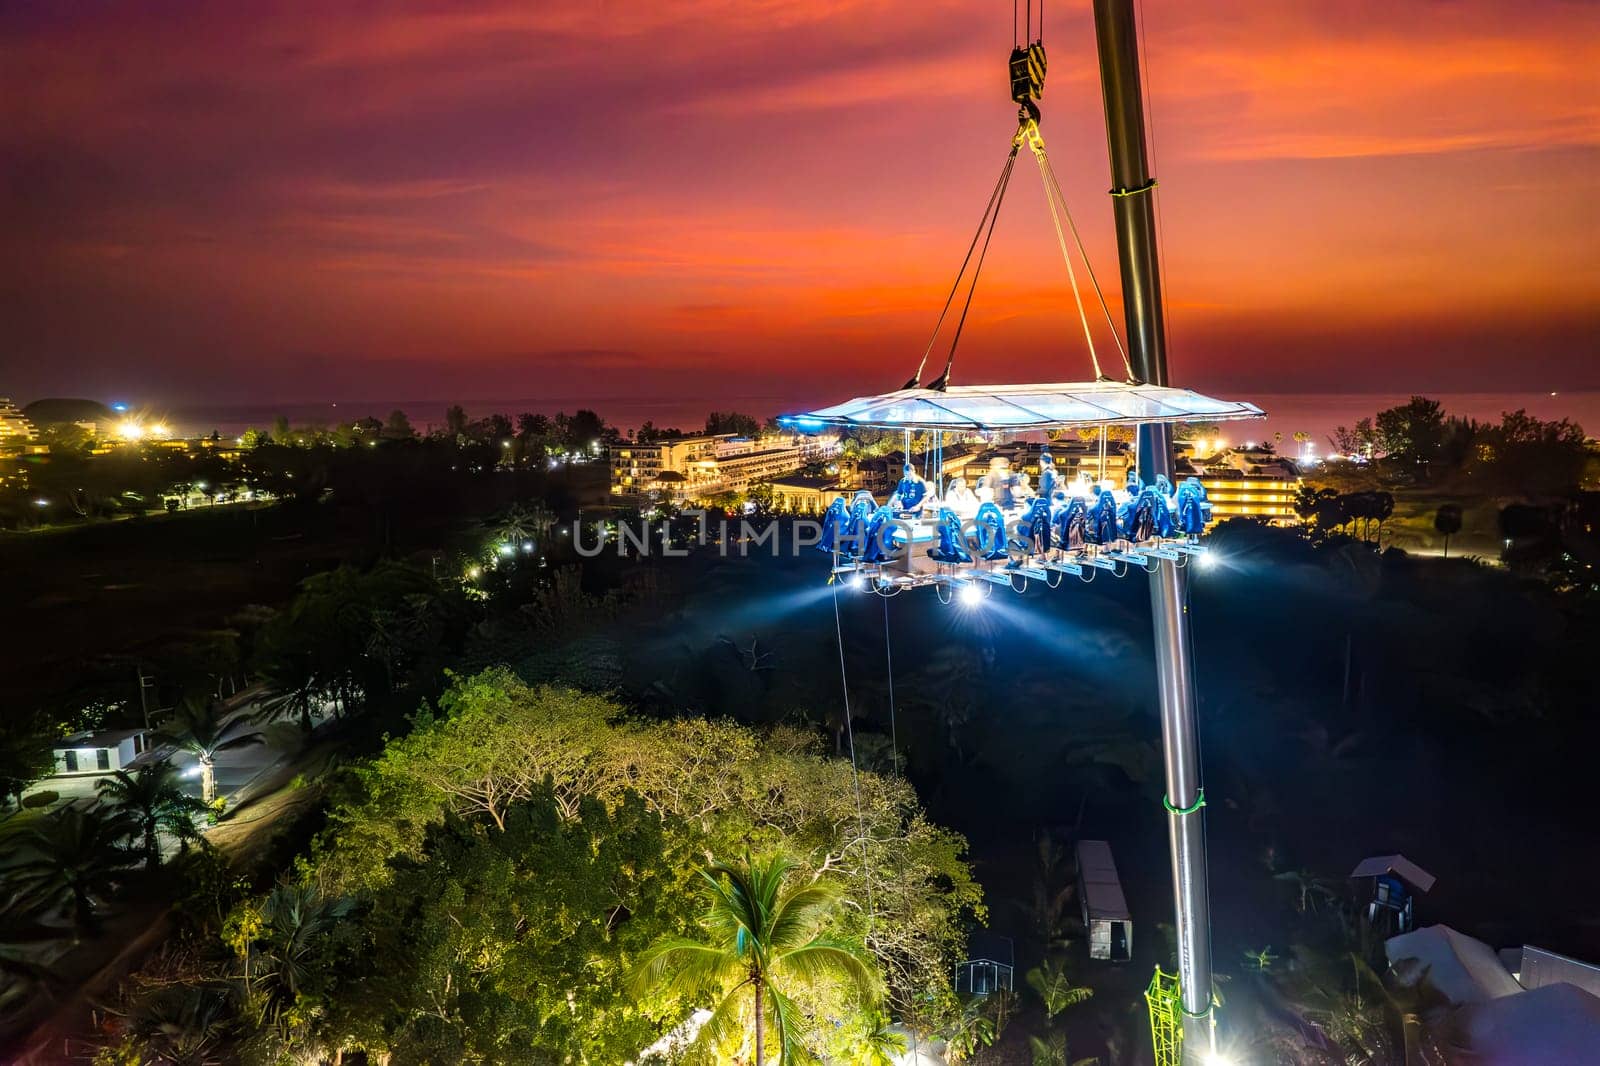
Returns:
point(1308, 887)
point(200, 728)
point(281, 944)
point(64, 862)
point(761, 940)
point(26, 751)
point(295, 690)
point(152, 803)
point(184, 1025)
point(968, 1030)
point(1054, 988)
point(24, 940)
point(1447, 523)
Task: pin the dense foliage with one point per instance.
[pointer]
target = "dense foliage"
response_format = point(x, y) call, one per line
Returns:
point(508, 862)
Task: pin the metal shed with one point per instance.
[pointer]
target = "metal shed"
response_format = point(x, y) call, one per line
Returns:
point(1105, 909)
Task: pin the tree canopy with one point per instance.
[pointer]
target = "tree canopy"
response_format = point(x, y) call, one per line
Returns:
point(484, 888)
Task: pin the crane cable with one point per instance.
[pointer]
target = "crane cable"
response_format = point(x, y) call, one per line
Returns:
point(1053, 195)
point(939, 383)
point(995, 195)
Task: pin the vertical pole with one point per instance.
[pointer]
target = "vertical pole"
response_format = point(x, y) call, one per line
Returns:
point(1117, 37)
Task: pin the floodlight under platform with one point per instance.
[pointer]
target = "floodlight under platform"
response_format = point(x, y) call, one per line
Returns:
point(1019, 408)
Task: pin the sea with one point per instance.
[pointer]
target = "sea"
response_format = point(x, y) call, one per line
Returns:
point(1287, 413)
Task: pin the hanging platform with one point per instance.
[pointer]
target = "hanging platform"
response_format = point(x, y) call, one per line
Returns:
point(1018, 408)
point(1006, 530)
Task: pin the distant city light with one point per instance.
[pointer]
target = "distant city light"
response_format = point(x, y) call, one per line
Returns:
point(474, 573)
point(41, 502)
point(119, 407)
point(506, 549)
point(160, 429)
point(130, 430)
point(527, 546)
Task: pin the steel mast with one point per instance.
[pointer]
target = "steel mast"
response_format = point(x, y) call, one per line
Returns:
point(1132, 200)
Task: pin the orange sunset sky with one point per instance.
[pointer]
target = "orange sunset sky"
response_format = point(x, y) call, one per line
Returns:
point(709, 198)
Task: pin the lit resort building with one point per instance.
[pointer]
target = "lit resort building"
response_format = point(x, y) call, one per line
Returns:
point(691, 470)
point(14, 425)
point(1247, 482)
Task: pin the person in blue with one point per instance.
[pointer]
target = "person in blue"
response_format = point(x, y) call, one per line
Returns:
point(909, 493)
point(1049, 479)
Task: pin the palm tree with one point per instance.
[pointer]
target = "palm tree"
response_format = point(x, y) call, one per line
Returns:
point(1055, 989)
point(296, 691)
point(152, 803)
point(63, 862)
point(185, 1025)
point(761, 937)
point(1309, 888)
point(296, 920)
point(199, 728)
point(25, 950)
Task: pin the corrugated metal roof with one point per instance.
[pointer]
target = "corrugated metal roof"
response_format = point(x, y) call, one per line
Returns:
point(1409, 872)
point(1102, 889)
point(1540, 967)
point(1024, 407)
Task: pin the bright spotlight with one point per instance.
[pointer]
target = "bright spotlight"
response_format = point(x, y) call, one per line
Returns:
point(130, 430)
point(855, 581)
point(527, 546)
point(1220, 1058)
point(1206, 561)
point(971, 595)
point(505, 549)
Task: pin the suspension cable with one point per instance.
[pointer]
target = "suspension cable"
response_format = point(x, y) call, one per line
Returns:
point(888, 659)
point(1053, 186)
point(855, 772)
point(1066, 257)
point(977, 268)
point(994, 195)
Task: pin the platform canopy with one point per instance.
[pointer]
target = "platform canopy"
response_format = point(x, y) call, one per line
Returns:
point(1024, 407)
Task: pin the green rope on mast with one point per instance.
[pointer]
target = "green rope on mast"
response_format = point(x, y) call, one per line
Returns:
point(1199, 801)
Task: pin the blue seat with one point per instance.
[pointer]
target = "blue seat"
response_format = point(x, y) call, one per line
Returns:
point(1033, 530)
point(1138, 518)
point(883, 537)
point(1102, 525)
point(854, 537)
point(1160, 512)
point(1193, 512)
point(949, 549)
point(989, 532)
point(833, 523)
point(1071, 525)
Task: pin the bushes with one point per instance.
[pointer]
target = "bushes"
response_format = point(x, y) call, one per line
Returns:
point(40, 799)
